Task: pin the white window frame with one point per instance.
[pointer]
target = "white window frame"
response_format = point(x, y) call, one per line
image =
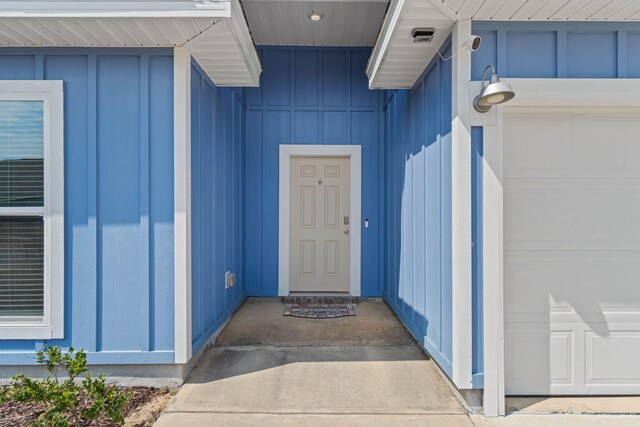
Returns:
point(51, 324)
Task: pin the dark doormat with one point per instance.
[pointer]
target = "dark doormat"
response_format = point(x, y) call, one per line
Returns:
point(319, 311)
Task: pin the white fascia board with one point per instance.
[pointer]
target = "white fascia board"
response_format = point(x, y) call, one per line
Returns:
point(240, 31)
point(116, 9)
point(382, 44)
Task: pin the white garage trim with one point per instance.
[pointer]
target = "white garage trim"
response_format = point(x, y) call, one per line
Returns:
point(354, 152)
point(529, 93)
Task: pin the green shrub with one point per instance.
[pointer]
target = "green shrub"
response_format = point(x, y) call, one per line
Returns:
point(65, 398)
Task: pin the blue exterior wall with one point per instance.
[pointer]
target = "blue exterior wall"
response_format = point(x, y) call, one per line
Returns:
point(309, 96)
point(558, 50)
point(217, 188)
point(542, 50)
point(118, 113)
point(417, 208)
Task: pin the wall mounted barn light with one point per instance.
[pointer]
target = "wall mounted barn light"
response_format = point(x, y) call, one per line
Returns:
point(316, 16)
point(494, 93)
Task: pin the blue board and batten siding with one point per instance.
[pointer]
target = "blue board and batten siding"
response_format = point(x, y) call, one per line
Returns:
point(118, 121)
point(417, 208)
point(217, 165)
point(542, 50)
point(558, 50)
point(309, 96)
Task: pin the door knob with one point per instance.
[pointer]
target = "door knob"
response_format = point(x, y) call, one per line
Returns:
point(346, 231)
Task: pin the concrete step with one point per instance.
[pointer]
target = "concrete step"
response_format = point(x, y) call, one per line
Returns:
point(297, 420)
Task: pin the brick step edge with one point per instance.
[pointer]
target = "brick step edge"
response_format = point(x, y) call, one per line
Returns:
point(312, 299)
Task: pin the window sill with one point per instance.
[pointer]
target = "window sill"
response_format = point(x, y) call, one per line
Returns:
point(24, 331)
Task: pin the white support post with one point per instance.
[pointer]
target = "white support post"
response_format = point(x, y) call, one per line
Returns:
point(461, 210)
point(182, 201)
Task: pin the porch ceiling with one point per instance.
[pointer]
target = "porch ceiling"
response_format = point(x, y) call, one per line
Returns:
point(286, 22)
point(214, 31)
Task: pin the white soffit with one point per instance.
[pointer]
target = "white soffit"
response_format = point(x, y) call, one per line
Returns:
point(227, 53)
point(189, 23)
point(545, 10)
point(396, 61)
point(286, 22)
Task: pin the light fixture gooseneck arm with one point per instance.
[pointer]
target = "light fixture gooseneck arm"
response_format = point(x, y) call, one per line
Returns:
point(484, 73)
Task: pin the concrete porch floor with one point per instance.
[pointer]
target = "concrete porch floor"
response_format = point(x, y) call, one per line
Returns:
point(260, 322)
point(269, 370)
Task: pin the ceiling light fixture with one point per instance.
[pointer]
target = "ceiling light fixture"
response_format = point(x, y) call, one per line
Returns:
point(316, 16)
point(496, 92)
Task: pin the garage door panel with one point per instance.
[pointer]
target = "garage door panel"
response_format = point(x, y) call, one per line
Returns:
point(612, 355)
point(572, 252)
point(541, 214)
point(538, 359)
point(545, 286)
point(565, 358)
point(606, 150)
point(533, 281)
point(572, 214)
point(572, 146)
point(610, 213)
point(526, 154)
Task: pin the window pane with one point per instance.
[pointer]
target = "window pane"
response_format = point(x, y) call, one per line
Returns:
point(21, 266)
point(21, 153)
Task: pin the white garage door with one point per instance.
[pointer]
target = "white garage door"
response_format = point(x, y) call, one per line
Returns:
point(572, 252)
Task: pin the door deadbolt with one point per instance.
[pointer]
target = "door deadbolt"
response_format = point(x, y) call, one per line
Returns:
point(346, 220)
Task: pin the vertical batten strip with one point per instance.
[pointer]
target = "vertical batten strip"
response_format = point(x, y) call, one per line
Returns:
point(462, 297)
point(623, 60)
point(501, 53)
point(561, 39)
point(39, 67)
point(182, 202)
point(145, 272)
point(93, 343)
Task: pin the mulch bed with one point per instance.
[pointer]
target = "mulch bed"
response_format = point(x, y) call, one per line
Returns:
point(14, 414)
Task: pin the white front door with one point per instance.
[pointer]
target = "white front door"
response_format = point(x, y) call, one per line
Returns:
point(320, 224)
point(572, 252)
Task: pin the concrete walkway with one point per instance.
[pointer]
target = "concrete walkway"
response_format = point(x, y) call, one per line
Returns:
point(269, 370)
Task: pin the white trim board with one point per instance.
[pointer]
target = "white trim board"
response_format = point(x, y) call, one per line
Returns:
point(182, 202)
point(354, 152)
point(461, 253)
point(549, 93)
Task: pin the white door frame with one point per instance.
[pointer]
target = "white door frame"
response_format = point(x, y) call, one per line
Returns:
point(288, 151)
point(529, 93)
